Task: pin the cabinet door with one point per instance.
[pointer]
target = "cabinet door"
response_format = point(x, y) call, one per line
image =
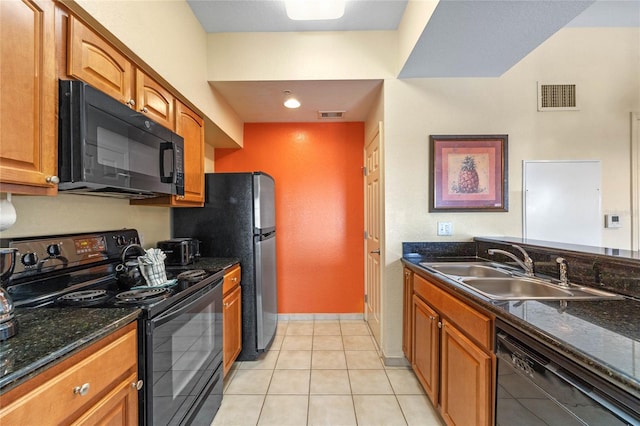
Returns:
point(407, 315)
point(28, 96)
point(425, 347)
point(465, 379)
point(118, 407)
point(232, 333)
point(94, 61)
point(190, 126)
point(154, 100)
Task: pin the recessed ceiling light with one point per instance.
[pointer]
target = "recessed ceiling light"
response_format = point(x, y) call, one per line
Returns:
point(314, 10)
point(290, 101)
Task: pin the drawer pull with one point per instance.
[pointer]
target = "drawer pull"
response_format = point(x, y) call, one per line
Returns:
point(137, 385)
point(81, 390)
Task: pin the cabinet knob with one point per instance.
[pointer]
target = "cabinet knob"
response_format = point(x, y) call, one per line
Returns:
point(439, 324)
point(234, 279)
point(131, 102)
point(81, 390)
point(432, 318)
point(53, 179)
point(144, 109)
point(137, 385)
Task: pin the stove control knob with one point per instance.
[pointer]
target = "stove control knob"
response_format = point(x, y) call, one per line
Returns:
point(29, 259)
point(54, 250)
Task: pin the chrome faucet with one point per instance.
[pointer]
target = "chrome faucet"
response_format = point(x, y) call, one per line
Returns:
point(527, 264)
point(562, 264)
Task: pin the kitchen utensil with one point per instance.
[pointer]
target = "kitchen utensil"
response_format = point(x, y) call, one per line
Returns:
point(8, 322)
point(7, 213)
point(128, 272)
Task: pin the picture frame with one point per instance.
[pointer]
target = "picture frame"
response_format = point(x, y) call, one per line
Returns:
point(468, 173)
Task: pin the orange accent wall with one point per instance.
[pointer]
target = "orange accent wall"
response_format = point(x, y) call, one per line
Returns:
point(317, 168)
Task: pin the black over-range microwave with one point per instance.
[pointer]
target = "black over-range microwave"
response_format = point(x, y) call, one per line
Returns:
point(106, 148)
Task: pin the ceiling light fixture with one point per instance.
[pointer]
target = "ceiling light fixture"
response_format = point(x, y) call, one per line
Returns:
point(290, 101)
point(314, 10)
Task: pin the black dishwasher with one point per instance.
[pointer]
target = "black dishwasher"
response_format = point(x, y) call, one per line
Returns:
point(538, 386)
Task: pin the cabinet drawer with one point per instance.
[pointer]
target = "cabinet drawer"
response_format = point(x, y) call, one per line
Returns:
point(475, 324)
point(231, 279)
point(58, 399)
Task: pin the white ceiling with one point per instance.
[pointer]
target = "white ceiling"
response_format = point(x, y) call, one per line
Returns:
point(464, 38)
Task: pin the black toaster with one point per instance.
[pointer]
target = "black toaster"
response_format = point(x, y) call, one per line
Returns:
point(180, 251)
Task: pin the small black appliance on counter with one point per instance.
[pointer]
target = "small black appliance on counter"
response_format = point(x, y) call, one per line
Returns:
point(180, 251)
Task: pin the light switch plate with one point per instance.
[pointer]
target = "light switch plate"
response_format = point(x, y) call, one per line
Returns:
point(445, 228)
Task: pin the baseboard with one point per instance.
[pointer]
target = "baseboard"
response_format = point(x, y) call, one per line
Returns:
point(320, 317)
point(396, 362)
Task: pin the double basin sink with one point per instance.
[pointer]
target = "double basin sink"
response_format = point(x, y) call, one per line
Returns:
point(500, 283)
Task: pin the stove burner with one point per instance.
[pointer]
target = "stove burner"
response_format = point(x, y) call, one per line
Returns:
point(192, 275)
point(143, 295)
point(84, 297)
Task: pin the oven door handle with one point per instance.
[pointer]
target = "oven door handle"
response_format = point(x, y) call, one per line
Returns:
point(185, 304)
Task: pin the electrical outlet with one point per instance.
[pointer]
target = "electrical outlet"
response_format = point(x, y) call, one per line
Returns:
point(445, 228)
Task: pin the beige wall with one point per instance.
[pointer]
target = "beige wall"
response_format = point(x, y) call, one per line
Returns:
point(605, 65)
point(302, 56)
point(82, 213)
point(168, 37)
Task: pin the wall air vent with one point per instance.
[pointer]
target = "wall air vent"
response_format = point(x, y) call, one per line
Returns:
point(326, 115)
point(557, 97)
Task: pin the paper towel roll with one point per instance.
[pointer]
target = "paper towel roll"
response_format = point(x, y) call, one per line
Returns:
point(7, 213)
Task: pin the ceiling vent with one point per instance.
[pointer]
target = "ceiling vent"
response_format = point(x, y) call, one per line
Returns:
point(328, 115)
point(557, 97)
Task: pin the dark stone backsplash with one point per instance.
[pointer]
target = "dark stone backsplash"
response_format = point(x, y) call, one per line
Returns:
point(602, 271)
point(440, 250)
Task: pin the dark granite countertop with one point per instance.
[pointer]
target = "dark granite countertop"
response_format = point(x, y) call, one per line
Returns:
point(209, 263)
point(48, 335)
point(603, 335)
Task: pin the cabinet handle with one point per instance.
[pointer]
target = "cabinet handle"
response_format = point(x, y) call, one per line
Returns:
point(131, 102)
point(144, 109)
point(439, 324)
point(137, 385)
point(432, 318)
point(53, 179)
point(234, 279)
point(81, 390)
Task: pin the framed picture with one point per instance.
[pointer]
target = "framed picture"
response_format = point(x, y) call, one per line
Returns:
point(468, 173)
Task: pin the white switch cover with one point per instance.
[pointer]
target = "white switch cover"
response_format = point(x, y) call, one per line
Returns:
point(445, 228)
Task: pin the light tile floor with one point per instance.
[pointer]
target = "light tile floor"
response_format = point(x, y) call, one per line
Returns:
point(323, 373)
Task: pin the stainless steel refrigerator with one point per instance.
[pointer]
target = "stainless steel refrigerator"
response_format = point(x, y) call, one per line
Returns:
point(238, 220)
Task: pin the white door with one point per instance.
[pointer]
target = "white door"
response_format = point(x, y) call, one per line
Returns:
point(372, 223)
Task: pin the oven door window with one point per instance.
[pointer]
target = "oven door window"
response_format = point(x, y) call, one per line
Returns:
point(186, 353)
point(120, 155)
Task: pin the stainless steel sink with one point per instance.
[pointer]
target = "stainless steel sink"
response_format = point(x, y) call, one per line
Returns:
point(466, 269)
point(500, 283)
point(520, 288)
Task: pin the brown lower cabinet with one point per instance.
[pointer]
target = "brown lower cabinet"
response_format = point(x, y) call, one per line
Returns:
point(98, 385)
point(451, 353)
point(231, 317)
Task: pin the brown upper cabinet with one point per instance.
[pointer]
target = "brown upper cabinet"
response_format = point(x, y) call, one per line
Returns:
point(28, 97)
point(155, 101)
point(97, 63)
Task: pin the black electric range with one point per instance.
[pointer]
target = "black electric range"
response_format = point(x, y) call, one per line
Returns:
point(179, 329)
